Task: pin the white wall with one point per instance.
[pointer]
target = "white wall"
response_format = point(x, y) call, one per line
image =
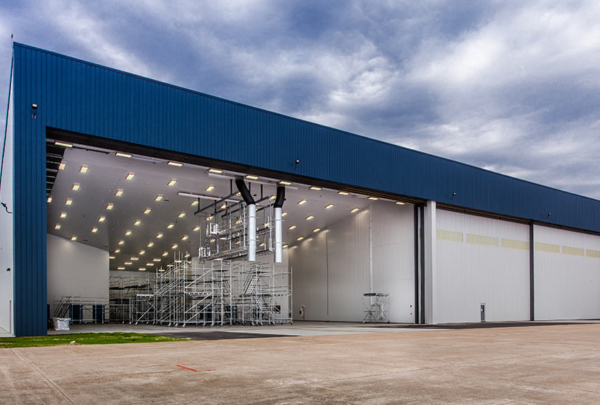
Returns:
point(481, 260)
point(567, 274)
point(333, 269)
point(7, 231)
point(76, 269)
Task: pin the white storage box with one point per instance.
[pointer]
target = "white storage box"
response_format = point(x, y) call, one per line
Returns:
point(61, 323)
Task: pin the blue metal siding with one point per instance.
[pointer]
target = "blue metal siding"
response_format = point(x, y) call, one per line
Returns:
point(82, 97)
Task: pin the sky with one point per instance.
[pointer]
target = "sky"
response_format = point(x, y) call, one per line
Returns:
point(510, 86)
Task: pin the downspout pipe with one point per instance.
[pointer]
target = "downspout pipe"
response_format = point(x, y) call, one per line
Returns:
point(241, 185)
point(279, 224)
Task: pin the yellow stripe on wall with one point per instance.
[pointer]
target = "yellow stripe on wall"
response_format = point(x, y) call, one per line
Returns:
point(450, 236)
point(567, 250)
point(515, 244)
point(593, 253)
point(482, 240)
point(547, 247)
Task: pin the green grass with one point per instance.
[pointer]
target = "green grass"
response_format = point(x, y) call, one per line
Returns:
point(83, 339)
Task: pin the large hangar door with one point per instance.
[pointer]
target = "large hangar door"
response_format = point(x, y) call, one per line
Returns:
point(481, 260)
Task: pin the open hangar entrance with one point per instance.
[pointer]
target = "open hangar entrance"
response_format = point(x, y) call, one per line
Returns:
point(122, 220)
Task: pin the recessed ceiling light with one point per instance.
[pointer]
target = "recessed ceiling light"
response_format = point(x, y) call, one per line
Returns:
point(157, 259)
point(170, 226)
point(101, 219)
point(176, 164)
point(292, 227)
point(63, 214)
point(329, 206)
point(285, 183)
point(128, 233)
point(182, 215)
point(308, 218)
point(165, 254)
point(110, 206)
point(49, 199)
point(353, 210)
point(400, 203)
point(314, 188)
point(373, 198)
point(74, 238)
point(119, 193)
point(285, 246)
point(137, 223)
point(118, 251)
point(142, 269)
point(111, 257)
point(196, 229)
point(149, 264)
point(185, 237)
point(94, 230)
point(121, 154)
point(121, 242)
point(57, 226)
point(300, 238)
point(158, 198)
point(316, 229)
point(194, 203)
point(142, 252)
point(69, 201)
point(121, 268)
point(301, 202)
point(147, 211)
point(210, 188)
point(174, 246)
point(160, 235)
point(84, 169)
point(130, 176)
point(223, 206)
point(75, 187)
point(343, 193)
point(252, 177)
point(65, 144)
point(62, 166)
point(150, 244)
point(272, 197)
point(128, 263)
point(284, 214)
point(134, 259)
point(216, 171)
point(172, 183)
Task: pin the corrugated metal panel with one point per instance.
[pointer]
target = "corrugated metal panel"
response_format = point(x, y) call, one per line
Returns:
point(82, 97)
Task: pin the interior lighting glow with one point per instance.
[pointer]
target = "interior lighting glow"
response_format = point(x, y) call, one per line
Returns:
point(208, 218)
point(118, 251)
point(285, 183)
point(185, 237)
point(300, 238)
point(182, 215)
point(216, 171)
point(63, 214)
point(196, 229)
point(62, 166)
point(111, 257)
point(174, 246)
point(119, 193)
point(284, 214)
point(158, 198)
point(110, 206)
point(75, 187)
point(121, 242)
point(160, 235)
point(65, 144)
point(314, 188)
point(49, 199)
point(210, 188)
point(130, 176)
point(128, 263)
point(194, 203)
point(172, 183)
point(252, 177)
point(142, 252)
point(121, 268)
point(176, 164)
point(285, 246)
point(94, 230)
point(353, 210)
point(223, 206)
point(308, 218)
point(400, 203)
point(150, 244)
point(57, 226)
point(343, 193)
point(170, 226)
point(373, 198)
point(142, 269)
point(291, 228)
point(301, 202)
point(149, 264)
point(121, 154)
point(84, 169)
point(74, 238)
point(165, 254)
point(69, 201)
point(316, 230)
point(101, 219)
point(147, 211)
point(157, 259)
point(137, 223)
point(128, 233)
point(329, 206)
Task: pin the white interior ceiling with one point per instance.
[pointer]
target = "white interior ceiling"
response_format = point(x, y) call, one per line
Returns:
point(107, 174)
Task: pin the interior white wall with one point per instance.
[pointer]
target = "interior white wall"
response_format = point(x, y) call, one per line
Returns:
point(567, 274)
point(333, 269)
point(76, 269)
point(7, 232)
point(481, 260)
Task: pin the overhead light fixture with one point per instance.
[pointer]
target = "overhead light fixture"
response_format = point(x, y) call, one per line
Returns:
point(137, 223)
point(216, 171)
point(65, 144)
point(110, 206)
point(84, 169)
point(157, 259)
point(328, 206)
point(158, 198)
point(251, 177)
point(172, 183)
point(176, 164)
point(119, 193)
point(111, 257)
point(181, 215)
point(271, 198)
point(223, 206)
point(343, 193)
point(266, 224)
point(130, 176)
point(74, 238)
point(142, 252)
point(314, 188)
point(63, 214)
point(94, 230)
point(142, 269)
point(127, 263)
point(301, 202)
point(194, 203)
point(134, 259)
point(170, 226)
point(238, 194)
point(208, 218)
point(285, 183)
point(160, 235)
point(75, 187)
point(101, 219)
point(185, 237)
point(57, 226)
point(165, 254)
point(174, 246)
point(308, 218)
point(62, 166)
point(150, 244)
point(121, 154)
point(291, 228)
point(353, 210)
point(187, 255)
point(373, 198)
point(121, 242)
point(262, 244)
point(128, 233)
point(196, 229)
point(147, 211)
point(400, 203)
point(69, 201)
point(300, 238)
point(121, 268)
point(283, 214)
point(118, 251)
point(149, 264)
point(49, 199)
point(316, 230)
point(285, 246)
point(209, 188)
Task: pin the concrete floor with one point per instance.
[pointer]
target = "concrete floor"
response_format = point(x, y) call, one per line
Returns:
point(540, 364)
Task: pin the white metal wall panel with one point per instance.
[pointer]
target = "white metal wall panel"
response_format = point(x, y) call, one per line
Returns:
point(481, 260)
point(567, 274)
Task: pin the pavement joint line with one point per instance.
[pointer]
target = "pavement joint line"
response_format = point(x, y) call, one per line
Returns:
point(42, 374)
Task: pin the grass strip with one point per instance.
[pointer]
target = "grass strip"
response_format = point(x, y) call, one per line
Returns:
point(84, 339)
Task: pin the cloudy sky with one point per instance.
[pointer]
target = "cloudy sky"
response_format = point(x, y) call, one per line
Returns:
point(511, 86)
